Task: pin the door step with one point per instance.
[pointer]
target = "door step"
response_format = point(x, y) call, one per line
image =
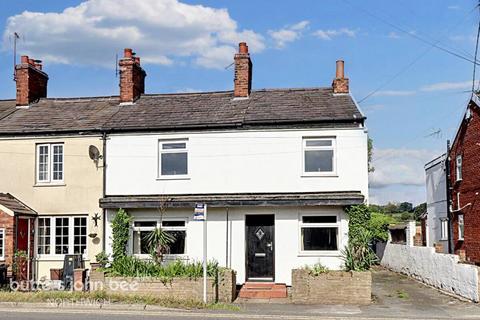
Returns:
point(263, 290)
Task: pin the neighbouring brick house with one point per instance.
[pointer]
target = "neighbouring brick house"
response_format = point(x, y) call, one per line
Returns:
point(16, 232)
point(464, 183)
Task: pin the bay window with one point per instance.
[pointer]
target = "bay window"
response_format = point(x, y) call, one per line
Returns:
point(142, 228)
point(60, 235)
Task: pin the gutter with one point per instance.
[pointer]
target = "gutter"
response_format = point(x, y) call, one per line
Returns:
point(448, 187)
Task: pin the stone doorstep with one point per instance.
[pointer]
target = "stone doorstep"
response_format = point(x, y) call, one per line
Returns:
point(263, 290)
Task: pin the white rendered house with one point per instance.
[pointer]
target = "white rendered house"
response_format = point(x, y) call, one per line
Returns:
point(437, 217)
point(276, 169)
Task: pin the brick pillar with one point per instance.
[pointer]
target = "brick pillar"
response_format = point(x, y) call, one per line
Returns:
point(132, 77)
point(410, 232)
point(243, 72)
point(31, 81)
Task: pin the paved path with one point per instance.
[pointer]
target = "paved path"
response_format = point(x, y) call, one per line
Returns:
point(395, 297)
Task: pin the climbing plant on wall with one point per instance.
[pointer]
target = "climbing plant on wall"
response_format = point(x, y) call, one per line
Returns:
point(120, 233)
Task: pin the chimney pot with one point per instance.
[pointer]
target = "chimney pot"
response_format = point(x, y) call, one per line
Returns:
point(242, 47)
point(243, 72)
point(128, 53)
point(24, 59)
point(340, 74)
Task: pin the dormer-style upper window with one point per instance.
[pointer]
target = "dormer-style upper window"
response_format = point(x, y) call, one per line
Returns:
point(50, 163)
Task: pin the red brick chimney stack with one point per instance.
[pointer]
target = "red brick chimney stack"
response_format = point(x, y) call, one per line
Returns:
point(132, 77)
point(31, 81)
point(243, 72)
point(340, 83)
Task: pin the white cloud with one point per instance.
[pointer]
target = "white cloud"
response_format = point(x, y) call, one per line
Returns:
point(453, 7)
point(394, 93)
point(330, 34)
point(159, 30)
point(288, 34)
point(443, 86)
point(399, 167)
point(373, 107)
point(393, 35)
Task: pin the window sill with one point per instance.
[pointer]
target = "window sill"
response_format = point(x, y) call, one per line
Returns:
point(56, 184)
point(174, 178)
point(332, 253)
point(316, 175)
point(57, 257)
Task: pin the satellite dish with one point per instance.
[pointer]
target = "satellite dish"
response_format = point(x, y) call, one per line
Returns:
point(94, 153)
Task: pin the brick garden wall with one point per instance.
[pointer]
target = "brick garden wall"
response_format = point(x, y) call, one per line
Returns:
point(179, 288)
point(466, 145)
point(333, 287)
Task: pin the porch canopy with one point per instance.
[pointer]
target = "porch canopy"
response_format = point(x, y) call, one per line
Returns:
point(344, 198)
point(14, 207)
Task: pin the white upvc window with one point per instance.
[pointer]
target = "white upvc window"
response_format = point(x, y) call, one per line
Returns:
point(2, 244)
point(50, 163)
point(443, 229)
point(60, 235)
point(319, 233)
point(173, 159)
point(461, 227)
point(319, 156)
point(177, 227)
point(458, 168)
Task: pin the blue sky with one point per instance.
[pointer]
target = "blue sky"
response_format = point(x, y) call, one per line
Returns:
point(185, 47)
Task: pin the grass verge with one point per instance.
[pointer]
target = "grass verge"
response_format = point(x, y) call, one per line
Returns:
point(101, 297)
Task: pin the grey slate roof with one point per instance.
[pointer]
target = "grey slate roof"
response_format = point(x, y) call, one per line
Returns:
point(181, 111)
point(343, 198)
point(12, 203)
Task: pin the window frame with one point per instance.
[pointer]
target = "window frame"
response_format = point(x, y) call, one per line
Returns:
point(3, 235)
point(333, 147)
point(461, 233)
point(52, 236)
point(459, 168)
point(158, 225)
point(337, 225)
point(50, 163)
point(162, 151)
point(443, 229)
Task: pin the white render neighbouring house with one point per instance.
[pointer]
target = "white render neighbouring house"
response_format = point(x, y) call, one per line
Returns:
point(275, 167)
point(437, 218)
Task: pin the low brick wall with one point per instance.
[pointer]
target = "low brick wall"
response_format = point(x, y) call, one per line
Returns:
point(333, 287)
point(179, 288)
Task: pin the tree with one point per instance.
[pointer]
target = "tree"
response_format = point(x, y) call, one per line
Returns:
point(419, 210)
point(371, 168)
point(405, 207)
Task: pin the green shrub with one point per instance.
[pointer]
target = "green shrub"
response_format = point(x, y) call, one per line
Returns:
point(379, 225)
point(120, 233)
point(102, 258)
point(128, 266)
point(316, 269)
point(357, 255)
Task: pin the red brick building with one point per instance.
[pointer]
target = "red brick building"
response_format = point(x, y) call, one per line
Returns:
point(17, 229)
point(464, 185)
